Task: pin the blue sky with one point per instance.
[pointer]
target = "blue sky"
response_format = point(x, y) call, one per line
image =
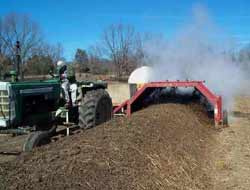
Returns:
point(79, 23)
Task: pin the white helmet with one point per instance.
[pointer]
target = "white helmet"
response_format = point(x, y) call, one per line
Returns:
point(60, 63)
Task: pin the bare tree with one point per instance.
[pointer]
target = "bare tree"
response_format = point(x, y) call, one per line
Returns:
point(15, 27)
point(81, 60)
point(121, 43)
point(98, 64)
point(95, 54)
point(55, 52)
point(5, 64)
point(44, 58)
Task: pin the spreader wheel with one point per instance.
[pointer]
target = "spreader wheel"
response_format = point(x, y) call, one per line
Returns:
point(36, 139)
point(225, 118)
point(96, 108)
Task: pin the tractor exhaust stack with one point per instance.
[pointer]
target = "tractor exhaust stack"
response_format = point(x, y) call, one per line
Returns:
point(18, 61)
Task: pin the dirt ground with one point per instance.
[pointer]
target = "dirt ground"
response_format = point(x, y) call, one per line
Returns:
point(115, 89)
point(10, 147)
point(162, 147)
point(231, 157)
point(169, 146)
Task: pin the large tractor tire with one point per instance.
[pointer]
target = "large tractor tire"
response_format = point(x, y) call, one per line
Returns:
point(96, 108)
point(36, 139)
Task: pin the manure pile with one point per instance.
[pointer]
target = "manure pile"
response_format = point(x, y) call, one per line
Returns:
point(164, 146)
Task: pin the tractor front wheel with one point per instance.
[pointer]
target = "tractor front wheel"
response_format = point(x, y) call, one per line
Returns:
point(36, 139)
point(96, 108)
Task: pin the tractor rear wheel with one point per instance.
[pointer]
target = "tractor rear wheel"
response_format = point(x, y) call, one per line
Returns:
point(36, 139)
point(96, 108)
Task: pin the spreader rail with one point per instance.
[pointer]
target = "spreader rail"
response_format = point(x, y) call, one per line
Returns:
point(215, 100)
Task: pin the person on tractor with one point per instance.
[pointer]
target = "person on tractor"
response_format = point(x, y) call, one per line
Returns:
point(67, 76)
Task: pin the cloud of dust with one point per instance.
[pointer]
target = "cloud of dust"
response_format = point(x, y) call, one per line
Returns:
point(199, 51)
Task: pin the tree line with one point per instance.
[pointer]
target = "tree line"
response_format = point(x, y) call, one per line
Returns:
point(37, 56)
point(119, 50)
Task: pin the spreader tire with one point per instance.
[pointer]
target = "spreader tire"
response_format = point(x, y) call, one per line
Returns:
point(36, 139)
point(225, 118)
point(95, 108)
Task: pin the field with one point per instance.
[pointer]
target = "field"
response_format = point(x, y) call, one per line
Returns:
point(165, 146)
point(177, 75)
point(232, 153)
point(155, 149)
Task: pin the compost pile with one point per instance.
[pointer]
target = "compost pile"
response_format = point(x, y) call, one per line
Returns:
point(164, 146)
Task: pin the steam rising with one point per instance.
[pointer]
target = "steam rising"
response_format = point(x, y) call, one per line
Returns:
point(199, 51)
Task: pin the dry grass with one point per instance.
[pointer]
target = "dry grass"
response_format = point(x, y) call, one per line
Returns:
point(230, 157)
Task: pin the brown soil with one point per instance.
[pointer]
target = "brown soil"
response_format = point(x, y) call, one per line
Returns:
point(10, 147)
point(162, 147)
point(231, 156)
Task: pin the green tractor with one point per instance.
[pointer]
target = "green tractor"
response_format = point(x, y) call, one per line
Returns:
point(37, 107)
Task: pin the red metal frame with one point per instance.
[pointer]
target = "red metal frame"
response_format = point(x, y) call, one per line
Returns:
point(199, 85)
